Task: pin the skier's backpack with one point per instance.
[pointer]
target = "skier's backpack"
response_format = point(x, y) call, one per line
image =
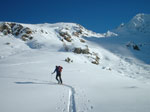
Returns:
point(60, 68)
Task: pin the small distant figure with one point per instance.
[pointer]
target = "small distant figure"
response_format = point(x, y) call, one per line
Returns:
point(58, 71)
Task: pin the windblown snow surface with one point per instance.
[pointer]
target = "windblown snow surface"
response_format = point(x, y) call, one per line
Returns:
point(120, 83)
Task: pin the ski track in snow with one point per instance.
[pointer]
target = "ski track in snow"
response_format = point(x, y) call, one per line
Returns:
point(71, 100)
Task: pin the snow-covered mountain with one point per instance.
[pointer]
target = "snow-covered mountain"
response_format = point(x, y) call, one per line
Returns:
point(45, 35)
point(131, 44)
point(53, 37)
point(140, 24)
point(135, 34)
point(130, 41)
point(99, 69)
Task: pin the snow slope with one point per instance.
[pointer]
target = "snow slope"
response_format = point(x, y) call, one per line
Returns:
point(131, 46)
point(106, 74)
point(27, 85)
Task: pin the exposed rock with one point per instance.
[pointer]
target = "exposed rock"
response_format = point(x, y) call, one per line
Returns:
point(67, 28)
point(68, 60)
point(66, 36)
point(26, 37)
point(96, 59)
point(16, 30)
point(95, 62)
point(67, 39)
point(81, 51)
point(81, 40)
point(85, 51)
point(42, 31)
point(28, 30)
point(77, 33)
point(135, 47)
point(77, 50)
point(7, 43)
point(11, 24)
point(30, 38)
point(5, 29)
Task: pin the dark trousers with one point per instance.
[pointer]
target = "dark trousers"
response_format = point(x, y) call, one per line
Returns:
point(59, 76)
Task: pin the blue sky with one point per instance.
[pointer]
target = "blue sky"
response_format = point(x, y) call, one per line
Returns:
point(96, 15)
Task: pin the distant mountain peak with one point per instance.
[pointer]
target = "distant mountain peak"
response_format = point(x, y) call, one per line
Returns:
point(141, 18)
point(140, 23)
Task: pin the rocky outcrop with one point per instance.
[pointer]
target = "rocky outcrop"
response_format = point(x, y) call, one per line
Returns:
point(81, 40)
point(91, 56)
point(133, 45)
point(96, 60)
point(69, 35)
point(68, 60)
point(17, 30)
point(5, 28)
point(81, 51)
point(77, 33)
point(66, 36)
